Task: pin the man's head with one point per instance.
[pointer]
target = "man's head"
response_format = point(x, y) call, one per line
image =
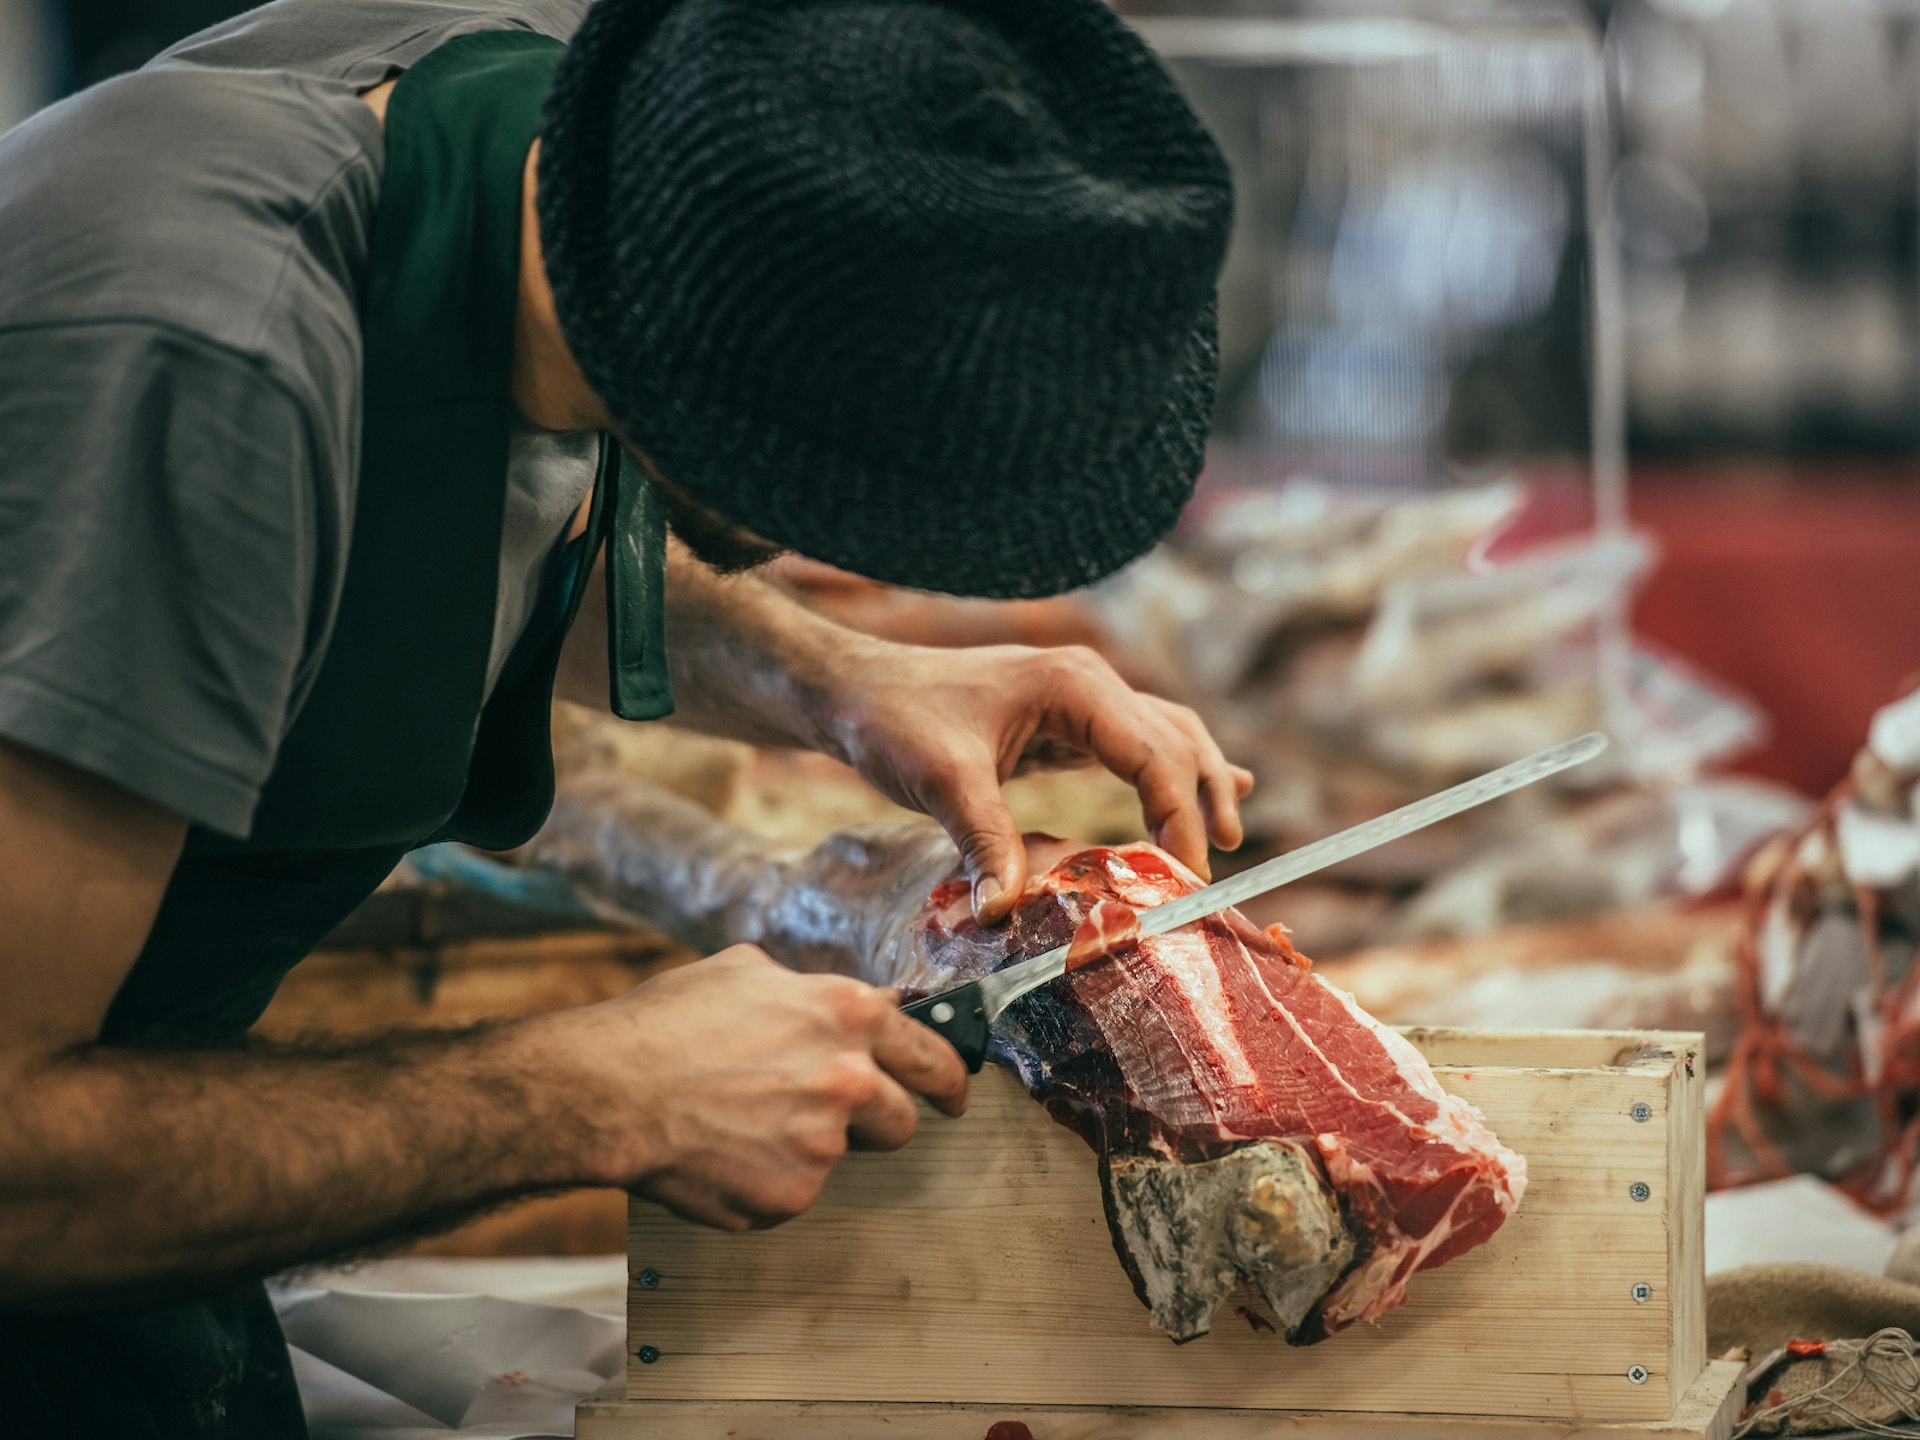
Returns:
point(922, 288)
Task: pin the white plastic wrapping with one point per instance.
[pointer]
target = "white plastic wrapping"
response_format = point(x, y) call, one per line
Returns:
point(638, 853)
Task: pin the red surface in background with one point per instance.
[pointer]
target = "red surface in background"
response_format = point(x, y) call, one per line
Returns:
point(1801, 587)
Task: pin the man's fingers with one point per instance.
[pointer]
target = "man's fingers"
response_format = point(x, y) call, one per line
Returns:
point(919, 1059)
point(1183, 836)
point(1223, 811)
point(1221, 782)
point(1166, 775)
point(966, 800)
point(1170, 800)
point(887, 1121)
point(1155, 746)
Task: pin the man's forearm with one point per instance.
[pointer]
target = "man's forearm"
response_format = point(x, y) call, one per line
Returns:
point(127, 1173)
point(749, 662)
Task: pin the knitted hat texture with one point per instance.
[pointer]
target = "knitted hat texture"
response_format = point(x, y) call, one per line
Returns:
point(921, 288)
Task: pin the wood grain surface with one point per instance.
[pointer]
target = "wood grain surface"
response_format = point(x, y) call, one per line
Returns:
point(975, 1268)
point(1706, 1412)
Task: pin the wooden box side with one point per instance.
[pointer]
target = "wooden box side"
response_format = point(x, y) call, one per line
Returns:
point(1705, 1412)
point(975, 1266)
point(1550, 1049)
point(1685, 1209)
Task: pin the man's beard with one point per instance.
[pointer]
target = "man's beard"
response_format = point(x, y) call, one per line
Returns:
point(716, 542)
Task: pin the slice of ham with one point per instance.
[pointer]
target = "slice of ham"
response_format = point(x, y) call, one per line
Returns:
point(1111, 925)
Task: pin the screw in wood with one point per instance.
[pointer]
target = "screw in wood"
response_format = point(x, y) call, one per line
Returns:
point(649, 1279)
point(647, 1354)
point(1642, 1293)
point(1640, 1190)
point(1641, 1111)
point(1637, 1374)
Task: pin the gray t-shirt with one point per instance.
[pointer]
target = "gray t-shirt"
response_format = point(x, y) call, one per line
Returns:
point(181, 251)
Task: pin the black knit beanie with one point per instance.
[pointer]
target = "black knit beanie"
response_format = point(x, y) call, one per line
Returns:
point(920, 288)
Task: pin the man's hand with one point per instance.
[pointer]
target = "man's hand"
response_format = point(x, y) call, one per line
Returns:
point(937, 730)
point(942, 730)
point(728, 1090)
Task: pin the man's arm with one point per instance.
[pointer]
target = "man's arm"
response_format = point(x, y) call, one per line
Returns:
point(726, 1090)
point(937, 730)
point(747, 661)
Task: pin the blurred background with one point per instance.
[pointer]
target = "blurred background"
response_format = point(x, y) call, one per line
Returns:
point(1571, 380)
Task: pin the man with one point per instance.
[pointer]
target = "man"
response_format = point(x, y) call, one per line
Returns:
point(311, 335)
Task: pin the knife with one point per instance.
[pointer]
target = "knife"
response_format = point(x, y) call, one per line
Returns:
point(965, 1014)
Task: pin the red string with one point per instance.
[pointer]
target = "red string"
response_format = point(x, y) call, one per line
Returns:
point(1764, 1055)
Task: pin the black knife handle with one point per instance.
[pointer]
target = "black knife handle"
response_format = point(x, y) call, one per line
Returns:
point(960, 1017)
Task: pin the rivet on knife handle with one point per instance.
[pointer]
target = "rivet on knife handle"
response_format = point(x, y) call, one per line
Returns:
point(960, 1017)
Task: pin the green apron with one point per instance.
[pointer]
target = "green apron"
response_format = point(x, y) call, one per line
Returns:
point(397, 744)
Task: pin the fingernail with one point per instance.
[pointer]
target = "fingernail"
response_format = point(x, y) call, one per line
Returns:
point(986, 890)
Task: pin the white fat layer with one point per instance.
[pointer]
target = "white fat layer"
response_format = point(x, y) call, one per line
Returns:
point(1183, 963)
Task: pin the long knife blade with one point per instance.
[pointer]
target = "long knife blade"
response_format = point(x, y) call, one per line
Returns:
point(1003, 987)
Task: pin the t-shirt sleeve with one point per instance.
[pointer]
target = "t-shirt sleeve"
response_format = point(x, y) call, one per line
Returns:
point(161, 539)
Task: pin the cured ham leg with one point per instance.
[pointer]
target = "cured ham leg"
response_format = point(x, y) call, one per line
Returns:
point(1256, 1130)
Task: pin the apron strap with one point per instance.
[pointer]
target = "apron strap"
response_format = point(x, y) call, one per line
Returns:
point(639, 685)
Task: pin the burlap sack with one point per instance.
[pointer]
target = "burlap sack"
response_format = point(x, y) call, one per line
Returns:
point(1832, 1350)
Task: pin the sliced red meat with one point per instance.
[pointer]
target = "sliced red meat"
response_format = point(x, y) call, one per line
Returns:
point(1110, 925)
point(1191, 1044)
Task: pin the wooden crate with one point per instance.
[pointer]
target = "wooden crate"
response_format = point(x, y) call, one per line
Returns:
point(971, 1277)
